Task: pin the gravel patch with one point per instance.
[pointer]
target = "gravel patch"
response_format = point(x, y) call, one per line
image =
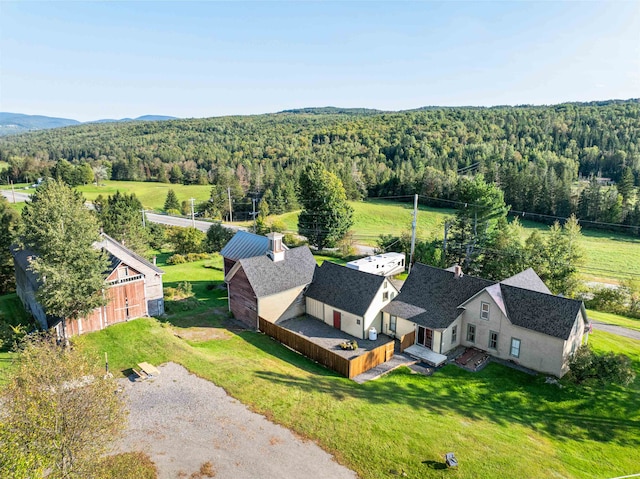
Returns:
point(183, 421)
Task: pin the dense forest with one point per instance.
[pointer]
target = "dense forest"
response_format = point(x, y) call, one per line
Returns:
point(548, 160)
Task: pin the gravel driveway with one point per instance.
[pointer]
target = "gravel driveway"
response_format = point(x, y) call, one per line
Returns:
point(183, 421)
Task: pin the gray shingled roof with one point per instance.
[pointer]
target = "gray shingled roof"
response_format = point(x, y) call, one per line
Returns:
point(268, 277)
point(245, 245)
point(527, 279)
point(545, 313)
point(431, 296)
point(345, 288)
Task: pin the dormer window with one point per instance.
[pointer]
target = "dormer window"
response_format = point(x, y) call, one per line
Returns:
point(484, 311)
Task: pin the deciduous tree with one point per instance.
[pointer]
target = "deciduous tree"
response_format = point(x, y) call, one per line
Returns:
point(60, 414)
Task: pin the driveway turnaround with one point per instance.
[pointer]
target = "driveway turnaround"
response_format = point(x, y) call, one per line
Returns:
point(183, 422)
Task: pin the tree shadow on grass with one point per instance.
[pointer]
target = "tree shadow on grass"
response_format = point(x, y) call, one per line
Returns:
point(497, 394)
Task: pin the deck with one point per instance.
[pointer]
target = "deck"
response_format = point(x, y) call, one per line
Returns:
point(426, 355)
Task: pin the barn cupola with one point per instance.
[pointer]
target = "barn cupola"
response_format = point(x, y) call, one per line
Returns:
point(275, 251)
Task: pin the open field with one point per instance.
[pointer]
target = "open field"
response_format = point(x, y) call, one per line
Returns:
point(500, 423)
point(609, 257)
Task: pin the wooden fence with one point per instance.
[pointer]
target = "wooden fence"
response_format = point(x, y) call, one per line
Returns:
point(346, 367)
point(407, 340)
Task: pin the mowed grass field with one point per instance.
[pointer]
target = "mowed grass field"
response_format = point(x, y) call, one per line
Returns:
point(501, 423)
point(609, 257)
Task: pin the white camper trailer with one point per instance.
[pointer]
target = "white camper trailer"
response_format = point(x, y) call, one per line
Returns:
point(385, 264)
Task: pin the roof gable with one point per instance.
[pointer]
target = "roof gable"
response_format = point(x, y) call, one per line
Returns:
point(431, 296)
point(527, 279)
point(267, 277)
point(118, 252)
point(344, 288)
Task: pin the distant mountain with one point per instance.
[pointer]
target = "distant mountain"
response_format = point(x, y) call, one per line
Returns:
point(14, 123)
point(11, 123)
point(332, 110)
point(140, 118)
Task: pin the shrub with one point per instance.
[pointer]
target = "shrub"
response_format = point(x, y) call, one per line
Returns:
point(191, 257)
point(292, 240)
point(128, 465)
point(608, 368)
point(176, 259)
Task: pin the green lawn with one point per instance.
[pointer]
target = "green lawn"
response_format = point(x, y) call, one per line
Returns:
point(500, 423)
point(150, 194)
point(614, 319)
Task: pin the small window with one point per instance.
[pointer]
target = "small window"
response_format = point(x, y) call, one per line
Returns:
point(385, 296)
point(384, 285)
point(392, 323)
point(393, 295)
point(493, 340)
point(484, 311)
point(357, 321)
point(471, 333)
point(515, 347)
point(454, 334)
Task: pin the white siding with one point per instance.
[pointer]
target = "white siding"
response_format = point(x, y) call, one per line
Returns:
point(315, 308)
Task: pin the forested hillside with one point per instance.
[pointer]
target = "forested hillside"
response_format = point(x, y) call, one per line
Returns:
point(535, 154)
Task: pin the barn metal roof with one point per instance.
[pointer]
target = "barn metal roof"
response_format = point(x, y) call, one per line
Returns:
point(246, 245)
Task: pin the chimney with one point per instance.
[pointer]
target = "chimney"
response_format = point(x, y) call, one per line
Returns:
point(275, 251)
point(155, 258)
point(457, 271)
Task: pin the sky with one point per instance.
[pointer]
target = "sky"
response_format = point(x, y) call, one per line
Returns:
point(95, 60)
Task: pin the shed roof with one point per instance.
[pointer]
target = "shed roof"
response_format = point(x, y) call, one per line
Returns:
point(344, 288)
point(269, 277)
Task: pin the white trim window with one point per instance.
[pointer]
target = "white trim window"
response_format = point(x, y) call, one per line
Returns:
point(484, 311)
point(393, 321)
point(454, 334)
point(515, 347)
point(385, 296)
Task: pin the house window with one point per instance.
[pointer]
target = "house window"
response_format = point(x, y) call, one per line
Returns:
point(471, 333)
point(357, 321)
point(385, 296)
point(384, 285)
point(392, 323)
point(484, 311)
point(393, 295)
point(123, 272)
point(454, 334)
point(493, 340)
point(515, 347)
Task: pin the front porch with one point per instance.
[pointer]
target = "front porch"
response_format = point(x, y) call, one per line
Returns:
point(425, 355)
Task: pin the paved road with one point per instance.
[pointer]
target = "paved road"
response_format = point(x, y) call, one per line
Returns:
point(619, 330)
point(184, 222)
point(19, 196)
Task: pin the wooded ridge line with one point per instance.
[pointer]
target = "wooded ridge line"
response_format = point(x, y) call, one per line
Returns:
point(541, 157)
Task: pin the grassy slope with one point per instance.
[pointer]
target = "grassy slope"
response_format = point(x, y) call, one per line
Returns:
point(403, 421)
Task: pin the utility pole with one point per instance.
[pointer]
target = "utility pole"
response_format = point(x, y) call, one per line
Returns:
point(144, 220)
point(444, 243)
point(413, 229)
point(193, 214)
point(253, 202)
point(230, 212)
point(13, 192)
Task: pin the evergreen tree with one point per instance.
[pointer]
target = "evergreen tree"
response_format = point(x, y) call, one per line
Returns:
point(326, 216)
point(61, 231)
point(171, 203)
point(9, 222)
point(121, 218)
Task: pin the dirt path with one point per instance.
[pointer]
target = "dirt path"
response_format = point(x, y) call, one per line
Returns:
point(619, 330)
point(183, 421)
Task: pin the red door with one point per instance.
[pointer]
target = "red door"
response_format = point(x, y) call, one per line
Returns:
point(337, 318)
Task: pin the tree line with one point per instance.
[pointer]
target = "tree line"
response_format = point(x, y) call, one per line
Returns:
point(536, 155)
